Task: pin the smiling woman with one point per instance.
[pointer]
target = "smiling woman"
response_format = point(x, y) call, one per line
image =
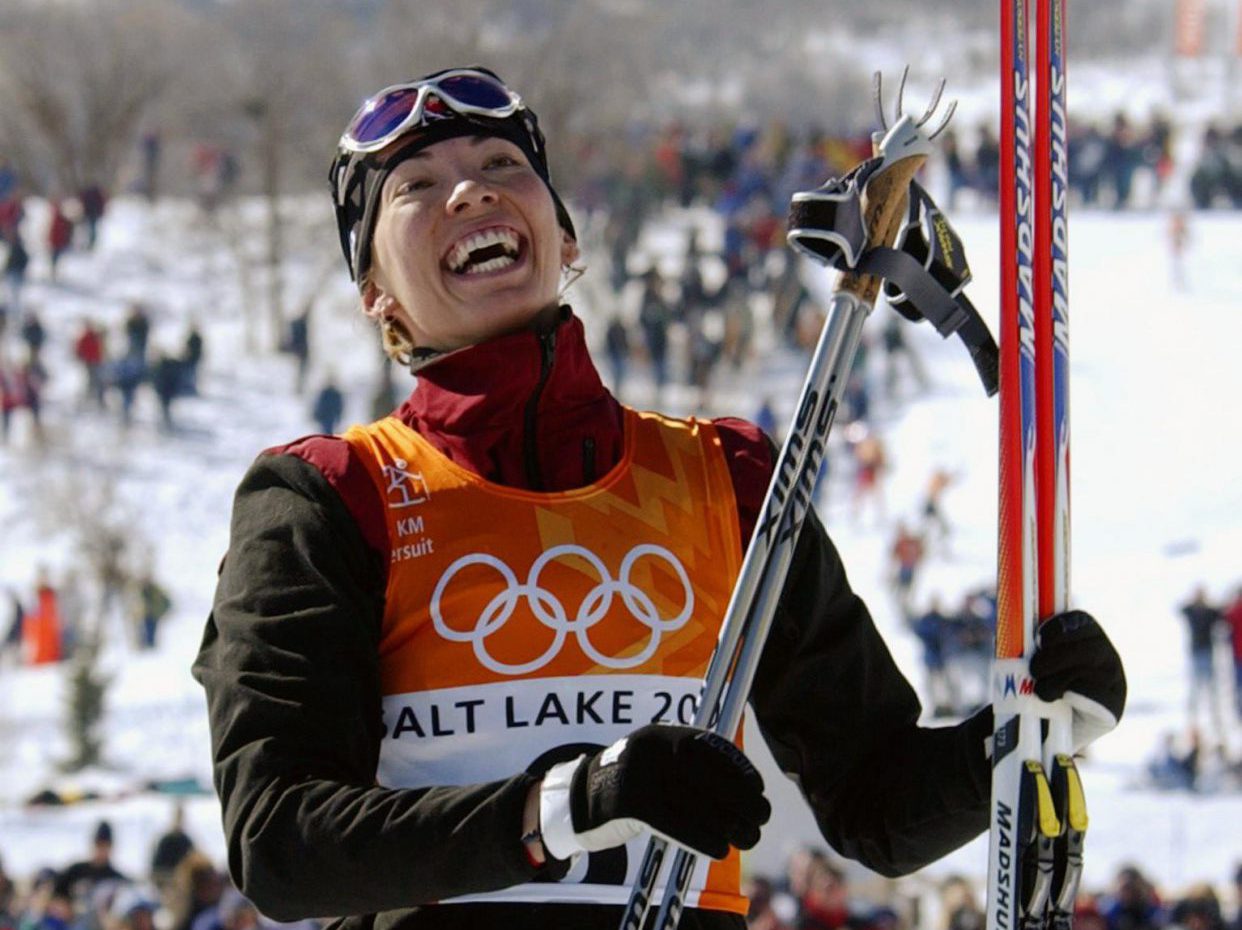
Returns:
point(466, 245)
point(453, 653)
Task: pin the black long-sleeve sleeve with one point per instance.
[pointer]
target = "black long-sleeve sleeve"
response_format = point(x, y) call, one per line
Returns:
point(289, 662)
point(841, 719)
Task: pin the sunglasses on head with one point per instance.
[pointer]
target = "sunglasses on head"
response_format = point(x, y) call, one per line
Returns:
point(395, 110)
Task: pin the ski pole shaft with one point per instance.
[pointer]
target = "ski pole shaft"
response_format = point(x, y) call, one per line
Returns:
point(785, 505)
point(1052, 440)
point(789, 498)
point(834, 358)
point(1021, 803)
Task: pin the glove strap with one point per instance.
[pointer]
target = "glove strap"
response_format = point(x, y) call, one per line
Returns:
point(555, 820)
point(925, 273)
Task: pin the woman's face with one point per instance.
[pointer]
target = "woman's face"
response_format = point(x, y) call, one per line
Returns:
point(467, 245)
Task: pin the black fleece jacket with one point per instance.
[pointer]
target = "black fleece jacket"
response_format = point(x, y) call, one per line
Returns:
point(290, 664)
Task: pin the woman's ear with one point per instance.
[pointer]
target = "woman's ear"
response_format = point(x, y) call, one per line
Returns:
point(569, 249)
point(376, 302)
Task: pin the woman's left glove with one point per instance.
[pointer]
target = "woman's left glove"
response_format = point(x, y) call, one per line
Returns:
point(1075, 660)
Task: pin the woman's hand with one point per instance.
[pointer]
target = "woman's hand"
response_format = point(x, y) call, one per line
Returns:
point(1075, 660)
point(690, 786)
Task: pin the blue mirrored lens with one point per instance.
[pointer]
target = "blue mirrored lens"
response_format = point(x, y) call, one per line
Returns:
point(383, 115)
point(474, 91)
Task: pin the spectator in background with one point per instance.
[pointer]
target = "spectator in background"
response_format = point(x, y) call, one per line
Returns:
point(41, 627)
point(1217, 176)
point(827, 904)
point(955, 166)
point(655, 316)
point(617, 347)
point(131, 910)
point(1088, 152)
point(987, 164)
point(1233, 617)
point(127, 374)
point(33, 335)
point(932, 509)
point(1202, 621)
point(233, 912)
point(765, 419)
point(297, 344)
point(761, 915)
point(153, 605)
point(958, 904)
point(1198, 909)
point(1120, 160)
point(1133, 904)
point(79, 880)
point(906, 553)
point(137, 332)
point(59, 235)
point(15, 264)
point(89, 350)
point(1172, 768)
point(167, 380)
point(329, 407)
point(191, 358)
point(11, 395)
point(933, 630)
point(1179, 239)
point(32, 378)
point(870, 462)
point(94, 202)
point(152, 146)
point(170, 850)
point(197, 887)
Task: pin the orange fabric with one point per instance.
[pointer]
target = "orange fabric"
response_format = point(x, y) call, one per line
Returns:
point(41, 630)
point(516, 618)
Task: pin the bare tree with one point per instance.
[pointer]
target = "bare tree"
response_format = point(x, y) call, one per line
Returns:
point(78, 78)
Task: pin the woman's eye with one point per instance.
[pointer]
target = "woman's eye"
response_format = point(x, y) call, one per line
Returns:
point(501, 161)
point(413, 185)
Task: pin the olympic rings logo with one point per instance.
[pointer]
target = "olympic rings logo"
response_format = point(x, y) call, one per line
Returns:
point(551, 612)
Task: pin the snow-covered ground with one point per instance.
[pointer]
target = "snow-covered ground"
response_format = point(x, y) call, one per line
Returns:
point(1157, 508)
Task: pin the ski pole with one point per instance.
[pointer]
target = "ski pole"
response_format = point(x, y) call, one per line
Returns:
point(789, 497)
point(1023, 822)
point(1052, 437)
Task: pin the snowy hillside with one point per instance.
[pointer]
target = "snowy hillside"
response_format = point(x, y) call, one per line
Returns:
point(1157, 508)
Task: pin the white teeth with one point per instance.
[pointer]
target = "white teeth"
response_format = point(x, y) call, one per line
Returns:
point(459, 254)
point(494, 264)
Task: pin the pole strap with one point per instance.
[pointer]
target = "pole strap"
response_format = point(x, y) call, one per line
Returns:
point(925, 273)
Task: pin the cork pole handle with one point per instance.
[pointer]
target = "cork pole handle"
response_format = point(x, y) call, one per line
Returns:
point(884, 208)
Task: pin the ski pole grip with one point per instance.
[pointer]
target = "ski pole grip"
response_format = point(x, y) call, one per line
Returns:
point(885, 201)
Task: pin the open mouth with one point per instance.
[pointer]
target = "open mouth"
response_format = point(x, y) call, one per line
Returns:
point(488, 250)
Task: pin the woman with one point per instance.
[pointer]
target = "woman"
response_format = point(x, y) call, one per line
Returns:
point(405, 731)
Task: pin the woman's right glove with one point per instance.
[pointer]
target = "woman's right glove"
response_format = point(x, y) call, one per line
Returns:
point(690, 786)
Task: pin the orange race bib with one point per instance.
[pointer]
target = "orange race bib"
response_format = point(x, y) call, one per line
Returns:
point(522, 629)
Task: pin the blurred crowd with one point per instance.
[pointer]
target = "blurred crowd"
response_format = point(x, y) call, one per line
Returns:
point(816, 893)
point(182, 889)
point(681, 319)
point(1203, 758)
point(56, 620)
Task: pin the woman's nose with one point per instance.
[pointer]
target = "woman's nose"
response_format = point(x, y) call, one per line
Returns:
point(470, 193)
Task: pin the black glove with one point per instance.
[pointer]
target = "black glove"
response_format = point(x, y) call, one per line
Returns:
point(1075, 660)
point(690, 786)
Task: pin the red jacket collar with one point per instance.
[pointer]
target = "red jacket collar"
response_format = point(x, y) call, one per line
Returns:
point(526, 410)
